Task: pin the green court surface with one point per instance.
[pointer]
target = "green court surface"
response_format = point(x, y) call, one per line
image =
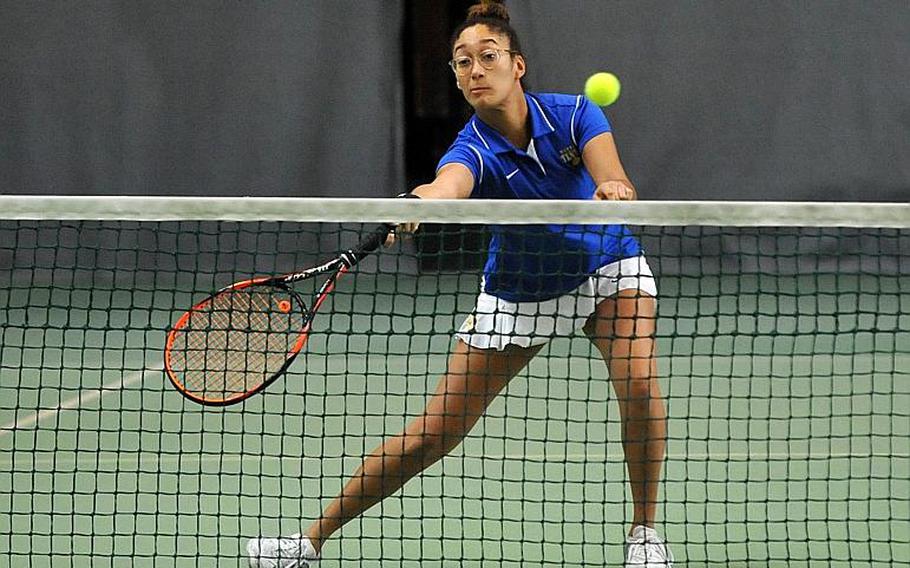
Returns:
point(789, 434)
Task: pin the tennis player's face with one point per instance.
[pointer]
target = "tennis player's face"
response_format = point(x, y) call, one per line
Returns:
point(485, 71)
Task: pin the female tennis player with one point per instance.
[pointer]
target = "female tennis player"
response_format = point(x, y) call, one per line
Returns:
point(521, 145)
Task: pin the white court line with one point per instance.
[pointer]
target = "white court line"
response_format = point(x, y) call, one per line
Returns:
point(77, 401)
point(577, 459)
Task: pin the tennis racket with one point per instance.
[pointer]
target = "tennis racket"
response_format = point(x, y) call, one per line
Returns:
point(241, 339)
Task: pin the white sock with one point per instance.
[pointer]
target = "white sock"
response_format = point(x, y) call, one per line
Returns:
point(644, 533)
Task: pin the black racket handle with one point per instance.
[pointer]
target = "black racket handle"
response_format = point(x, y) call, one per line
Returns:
point(367, 245)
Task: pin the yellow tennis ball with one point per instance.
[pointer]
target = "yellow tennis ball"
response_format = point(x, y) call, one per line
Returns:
point(602, 88)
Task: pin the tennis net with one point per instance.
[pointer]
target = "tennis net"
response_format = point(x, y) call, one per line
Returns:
point(782, 349)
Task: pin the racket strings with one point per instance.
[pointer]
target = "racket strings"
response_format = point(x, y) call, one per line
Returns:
point(236, 342)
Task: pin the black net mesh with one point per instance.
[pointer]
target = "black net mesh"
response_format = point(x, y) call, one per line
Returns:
point(782, 356)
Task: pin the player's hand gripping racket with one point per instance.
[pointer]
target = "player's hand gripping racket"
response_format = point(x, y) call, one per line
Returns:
point(238, 341)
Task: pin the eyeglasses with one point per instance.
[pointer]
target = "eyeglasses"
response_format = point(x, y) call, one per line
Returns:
point(488, 59)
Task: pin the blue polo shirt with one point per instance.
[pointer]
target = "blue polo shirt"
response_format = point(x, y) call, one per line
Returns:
point(539, 262)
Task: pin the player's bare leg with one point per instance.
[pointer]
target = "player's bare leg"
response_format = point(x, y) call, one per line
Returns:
point(473, 379)
point(623, 329)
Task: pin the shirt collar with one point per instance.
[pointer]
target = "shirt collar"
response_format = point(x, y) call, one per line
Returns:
point(497, 143)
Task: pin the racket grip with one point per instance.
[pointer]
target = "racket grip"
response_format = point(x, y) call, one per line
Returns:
point(367, 245)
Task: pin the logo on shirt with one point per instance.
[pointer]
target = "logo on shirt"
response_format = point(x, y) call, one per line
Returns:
point(570, 156)
point(468, 325)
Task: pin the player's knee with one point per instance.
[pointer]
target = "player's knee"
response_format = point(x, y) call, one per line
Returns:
point(639, 388)
point(436, 445)
point(435, 440)
point(636, 388)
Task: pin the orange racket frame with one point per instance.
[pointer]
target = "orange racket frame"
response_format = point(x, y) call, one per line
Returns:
point(334, 268)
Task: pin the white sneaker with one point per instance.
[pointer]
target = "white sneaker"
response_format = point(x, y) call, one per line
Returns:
point(644, 549)
point(293, 551)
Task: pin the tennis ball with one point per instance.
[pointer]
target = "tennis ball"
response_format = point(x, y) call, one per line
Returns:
point(602, 88)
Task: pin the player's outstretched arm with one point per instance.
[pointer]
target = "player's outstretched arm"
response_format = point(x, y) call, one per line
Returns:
point(454, 181)
point(602, 161)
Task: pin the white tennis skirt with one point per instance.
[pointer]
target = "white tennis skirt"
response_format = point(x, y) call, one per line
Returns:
point(496, 323)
